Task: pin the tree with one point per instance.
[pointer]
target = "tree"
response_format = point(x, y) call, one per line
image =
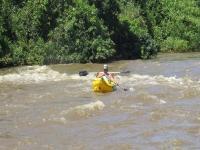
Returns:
point(173, 24)
point(134, 38)
point(80, 37)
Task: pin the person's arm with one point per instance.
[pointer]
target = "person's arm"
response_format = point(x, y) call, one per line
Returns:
point(112, 79)
point(99, 75)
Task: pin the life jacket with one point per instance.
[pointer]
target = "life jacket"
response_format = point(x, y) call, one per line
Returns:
point(107, 75)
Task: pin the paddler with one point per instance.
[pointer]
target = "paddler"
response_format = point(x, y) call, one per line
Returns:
point(105, 74)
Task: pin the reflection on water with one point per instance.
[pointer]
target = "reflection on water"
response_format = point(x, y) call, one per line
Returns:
point(52, 107)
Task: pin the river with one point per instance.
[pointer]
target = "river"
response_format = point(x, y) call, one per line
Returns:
point(52, 107)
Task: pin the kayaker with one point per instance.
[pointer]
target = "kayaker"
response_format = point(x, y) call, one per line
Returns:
point(105, 73)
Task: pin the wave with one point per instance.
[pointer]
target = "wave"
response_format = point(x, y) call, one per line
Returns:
point(136, 79)
point(83, 111)
point(33, 74)
point(39, 74)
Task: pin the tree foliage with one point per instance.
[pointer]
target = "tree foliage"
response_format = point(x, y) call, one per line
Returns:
point(61, 31)
point(175, 25)
point(80, 36)
point(134, 36)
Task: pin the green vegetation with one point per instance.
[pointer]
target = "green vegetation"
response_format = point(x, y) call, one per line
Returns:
point(62, 31)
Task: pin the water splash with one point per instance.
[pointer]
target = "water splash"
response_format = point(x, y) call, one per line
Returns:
point(83, 111)
point(32, 74)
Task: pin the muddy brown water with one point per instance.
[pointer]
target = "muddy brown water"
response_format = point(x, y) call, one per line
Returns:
point(52, 107)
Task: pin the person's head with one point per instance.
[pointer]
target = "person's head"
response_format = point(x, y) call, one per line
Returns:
point(105, 68)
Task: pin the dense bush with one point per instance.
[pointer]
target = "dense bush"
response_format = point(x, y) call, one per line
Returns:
point(175, 25)
point(137, 42)
point(80, 36)
point(60, 31)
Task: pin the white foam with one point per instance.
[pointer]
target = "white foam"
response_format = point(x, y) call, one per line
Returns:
point(38, 74)
point(33, 74)
point(161, 101)
point(197, 64)
point(86, 109)
point(136, 79)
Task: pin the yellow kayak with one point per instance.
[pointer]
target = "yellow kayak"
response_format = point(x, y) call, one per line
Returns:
point(103, 85)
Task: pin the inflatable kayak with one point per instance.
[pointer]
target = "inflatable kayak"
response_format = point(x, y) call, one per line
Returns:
point(103, 85)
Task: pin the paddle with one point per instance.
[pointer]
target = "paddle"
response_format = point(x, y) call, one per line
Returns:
point(125, 89)
point(121, 72)
point(85, 73)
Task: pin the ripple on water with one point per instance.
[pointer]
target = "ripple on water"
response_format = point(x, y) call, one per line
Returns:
point(83, 111)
